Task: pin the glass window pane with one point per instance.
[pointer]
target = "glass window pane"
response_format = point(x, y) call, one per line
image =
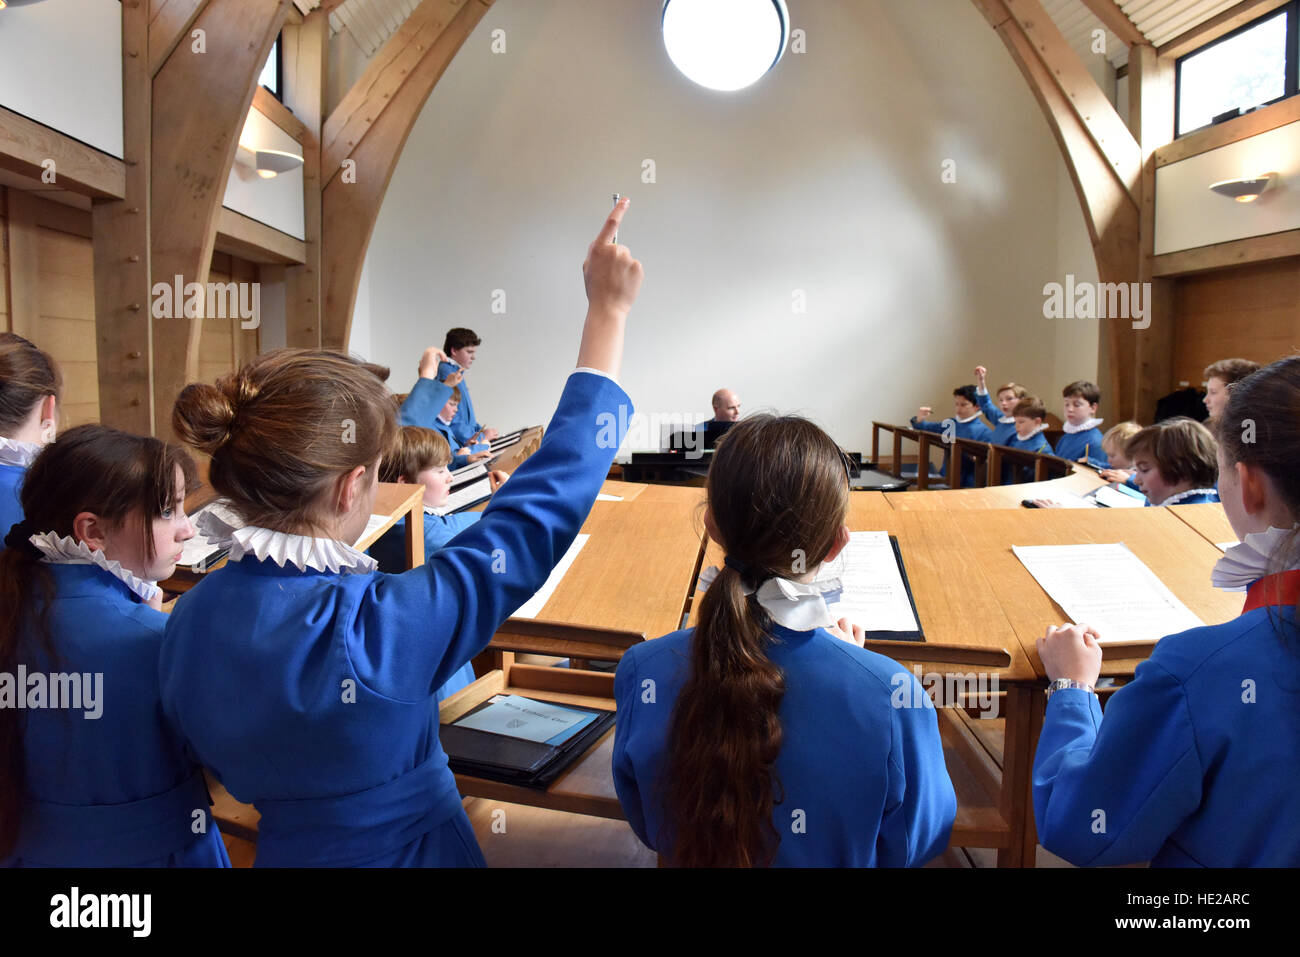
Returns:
point(1246, 71)
point(271, 72)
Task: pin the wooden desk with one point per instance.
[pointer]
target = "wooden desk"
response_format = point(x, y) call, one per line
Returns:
point(515, 456)
point(1083, 481)
point(1209, 521)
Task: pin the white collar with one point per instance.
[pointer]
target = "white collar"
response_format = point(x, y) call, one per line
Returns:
point(794, 605)
point(17, 452)
point(1008, 420)
point(1037, 429)
point(304, 551)
point(444, 421)
point(59, 549)
point(1181, 496)
point(970, 418)
point(1248, 561)
point(1082, 426)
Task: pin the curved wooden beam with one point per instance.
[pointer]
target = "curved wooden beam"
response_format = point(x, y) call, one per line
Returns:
point(200, 102)
point(1104, 160)
point(370, 127)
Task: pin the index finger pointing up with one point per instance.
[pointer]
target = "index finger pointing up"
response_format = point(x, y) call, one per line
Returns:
point(610, 229)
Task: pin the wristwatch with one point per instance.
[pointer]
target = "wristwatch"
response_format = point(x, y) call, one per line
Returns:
point(1061, 683)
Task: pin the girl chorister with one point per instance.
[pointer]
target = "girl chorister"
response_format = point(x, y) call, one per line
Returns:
point(92, 774)
point(29, 390)
point(1195, 762)
point(304, 678)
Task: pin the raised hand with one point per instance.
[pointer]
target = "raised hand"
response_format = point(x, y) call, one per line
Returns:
point(429, 362)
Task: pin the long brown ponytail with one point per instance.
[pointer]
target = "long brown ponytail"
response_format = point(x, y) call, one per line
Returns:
point(778, 494)
point(90, 468)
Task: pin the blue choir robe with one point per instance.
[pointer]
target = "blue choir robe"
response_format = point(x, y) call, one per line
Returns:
point(446, 430)
point(464, 424)
point(119, 790)
point(312, 694)
point(1023, 473)
point(1071, 446)
point(424, 403)
point(1193, 764)
point(390, 552)
point(11, 506)
point(864, 780)
point(972, 429)
point(1003, 432)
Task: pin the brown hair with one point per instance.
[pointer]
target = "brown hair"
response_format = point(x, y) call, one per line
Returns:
point(90, 468)
point(459, 338)
point(778, 494)
point(1019, 391)
point(1182, 448)
point(413, 450)
point(1030, 407)
point(1230, 370)
point(455, 395)
point(1087, 390)
point(1117, 436)
point(27, 375)
point(375, 369)
point(1260, 426)
point(282, 428)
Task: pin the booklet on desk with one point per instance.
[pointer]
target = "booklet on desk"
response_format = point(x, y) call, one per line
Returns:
point(875, 591)
point(521, 740)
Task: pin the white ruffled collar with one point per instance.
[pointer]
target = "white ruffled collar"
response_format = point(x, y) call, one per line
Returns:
point(302, 551)
point(1191, 492)
point(59, 549)
point(968, 419)
point(1082, 426)
point(1037, 429)
point(1248, 561)
point(17, 452)
point(1008, 420)
point(794, 605)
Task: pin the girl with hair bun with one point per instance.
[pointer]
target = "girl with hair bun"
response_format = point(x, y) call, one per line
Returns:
point(90, 773)
point(1195, 763)
point(306, 679)
point(766, 734)
point(29, 399)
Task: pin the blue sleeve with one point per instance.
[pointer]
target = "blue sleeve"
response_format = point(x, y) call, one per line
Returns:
point(922, 804)
point(625, 784)
point(921, 426)
point(412, 631)
point(987, 406)
point(1113, 791)
point(422, 406)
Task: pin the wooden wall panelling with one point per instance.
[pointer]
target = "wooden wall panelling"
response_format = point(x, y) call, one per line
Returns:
point(5, 325)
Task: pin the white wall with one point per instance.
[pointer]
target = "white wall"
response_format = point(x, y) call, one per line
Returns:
point(69, 79)
point(1188, 214)
point(825, 177)
point(278, 201)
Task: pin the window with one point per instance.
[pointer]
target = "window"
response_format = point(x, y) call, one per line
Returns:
point(1249, 68)
point(271, 73)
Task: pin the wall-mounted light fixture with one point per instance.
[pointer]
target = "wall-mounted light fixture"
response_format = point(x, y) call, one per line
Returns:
point(267, 163)
point(725, 45)
point(1245, 190)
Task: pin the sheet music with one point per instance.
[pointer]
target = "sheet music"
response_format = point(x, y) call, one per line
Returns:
point(468, 472)
point(200, 547)
point(1109, 588)
point(1114, 498)
point(874, 594)
point(518, 717)
point(533, 607)
point(470, 494)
